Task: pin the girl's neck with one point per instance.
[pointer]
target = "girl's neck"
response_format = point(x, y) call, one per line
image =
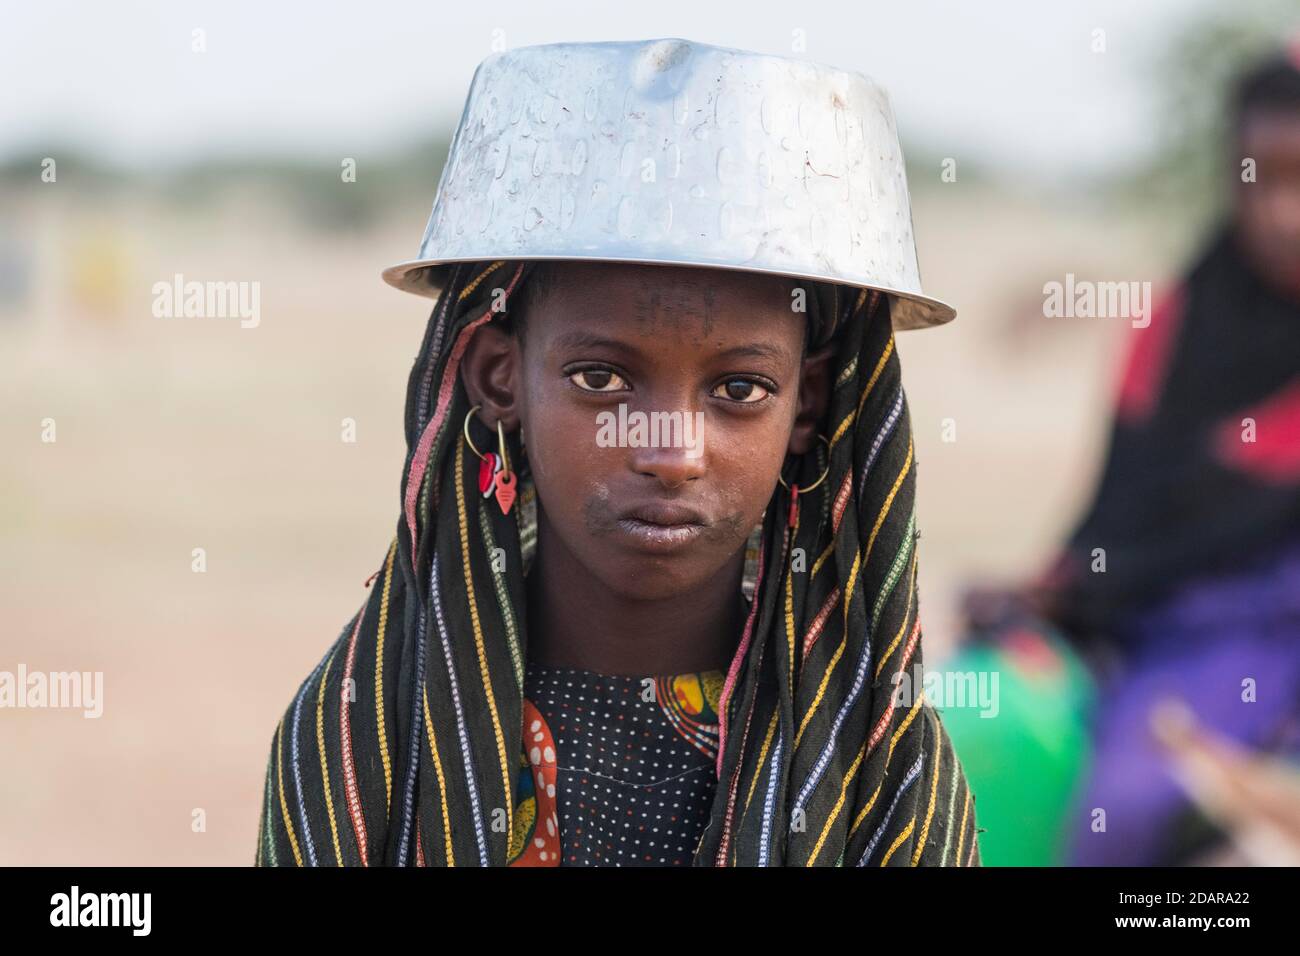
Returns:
point(574, 620)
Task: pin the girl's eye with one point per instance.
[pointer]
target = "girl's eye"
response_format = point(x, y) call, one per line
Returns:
point(597, 380)
point(743, 390)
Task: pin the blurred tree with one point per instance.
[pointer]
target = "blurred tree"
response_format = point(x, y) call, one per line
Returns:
point(1192, 79)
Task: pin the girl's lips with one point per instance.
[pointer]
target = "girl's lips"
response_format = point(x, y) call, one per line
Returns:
point(659, 538)
point(664, 513)
point(659, 526)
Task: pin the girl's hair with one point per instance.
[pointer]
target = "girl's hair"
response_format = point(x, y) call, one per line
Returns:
point(403, 745)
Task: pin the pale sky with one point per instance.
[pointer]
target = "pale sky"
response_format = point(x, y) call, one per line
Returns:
point(1012, 82)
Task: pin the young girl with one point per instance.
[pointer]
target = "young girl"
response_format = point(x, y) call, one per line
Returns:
point(585, 651)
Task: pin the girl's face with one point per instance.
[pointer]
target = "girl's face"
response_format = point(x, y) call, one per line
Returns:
point(658, 405)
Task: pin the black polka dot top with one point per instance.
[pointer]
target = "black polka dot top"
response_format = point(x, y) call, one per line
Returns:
point(616, 771)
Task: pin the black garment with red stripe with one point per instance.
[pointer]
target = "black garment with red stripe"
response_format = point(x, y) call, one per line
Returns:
point(1203, 469)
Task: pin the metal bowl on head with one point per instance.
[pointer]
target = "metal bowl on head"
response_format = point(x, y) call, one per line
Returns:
point(669, 152)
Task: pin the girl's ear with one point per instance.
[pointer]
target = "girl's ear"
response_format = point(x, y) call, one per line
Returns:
point(814, 398)
point(491, 371)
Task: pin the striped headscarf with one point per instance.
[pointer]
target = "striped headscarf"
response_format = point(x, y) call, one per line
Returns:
point(402, 745)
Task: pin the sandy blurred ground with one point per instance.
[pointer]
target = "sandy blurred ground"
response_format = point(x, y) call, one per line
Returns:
point(176, 434)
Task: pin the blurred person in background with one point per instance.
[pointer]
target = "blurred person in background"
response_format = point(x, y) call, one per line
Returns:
point(1183, 575)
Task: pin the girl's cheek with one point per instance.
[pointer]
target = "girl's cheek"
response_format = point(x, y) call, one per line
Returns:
point(561, 447)
point(549, 438)
point(531, 432)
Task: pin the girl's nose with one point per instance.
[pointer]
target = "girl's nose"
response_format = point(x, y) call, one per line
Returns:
point(672, 466)
point(679, 455)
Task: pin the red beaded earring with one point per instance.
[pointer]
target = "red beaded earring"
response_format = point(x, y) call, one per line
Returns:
point(494, 474)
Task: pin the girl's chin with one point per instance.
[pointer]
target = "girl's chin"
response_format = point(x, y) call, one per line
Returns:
point(649, 578)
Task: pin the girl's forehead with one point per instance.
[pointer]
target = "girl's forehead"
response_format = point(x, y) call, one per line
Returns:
point(667, 305)
point(582, 276)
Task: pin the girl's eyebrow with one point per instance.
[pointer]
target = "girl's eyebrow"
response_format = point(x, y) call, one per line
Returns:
point(585, 340)
point(580, 340)
point(757, 350)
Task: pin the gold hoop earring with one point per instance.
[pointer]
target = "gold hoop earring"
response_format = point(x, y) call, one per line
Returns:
point(502, 451)
point(465, 429)
point(819, 480)
point(494, 474)
point(795, 491)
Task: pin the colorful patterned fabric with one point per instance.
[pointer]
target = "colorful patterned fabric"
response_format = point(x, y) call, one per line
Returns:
point(616, 771)
point(403, 744)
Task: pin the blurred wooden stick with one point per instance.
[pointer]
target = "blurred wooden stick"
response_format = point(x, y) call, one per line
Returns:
point(1254, 797)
